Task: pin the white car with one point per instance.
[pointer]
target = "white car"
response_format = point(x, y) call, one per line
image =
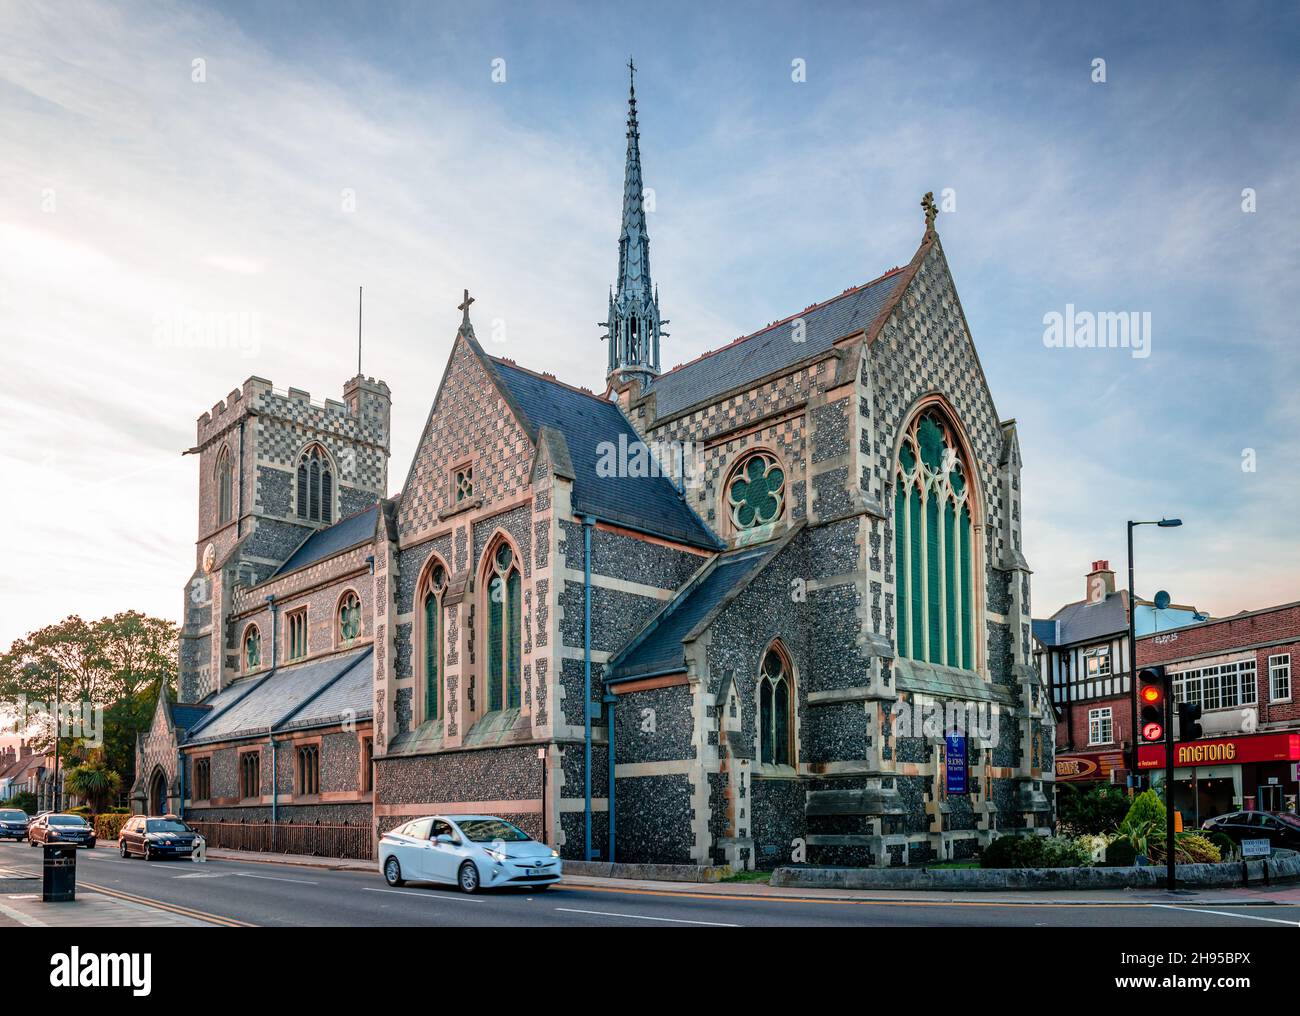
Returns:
point(471, 851)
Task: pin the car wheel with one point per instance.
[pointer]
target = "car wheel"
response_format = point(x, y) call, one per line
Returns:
point(148, 854)
point(121, 848)
point(393, 872)
point(468, 877)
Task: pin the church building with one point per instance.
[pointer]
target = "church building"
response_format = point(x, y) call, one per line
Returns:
point(768, 605)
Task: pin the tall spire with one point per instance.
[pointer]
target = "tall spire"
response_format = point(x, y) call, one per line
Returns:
point(633, 322)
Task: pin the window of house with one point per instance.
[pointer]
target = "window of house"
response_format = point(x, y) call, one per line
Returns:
point(297, 633)
point(1223, 686)
point(367, 763)
point(309, 769)
point(775, 710)
point(756, 491)
point(349, 618)
point(252, 649)
point(462, 483)
point(504, 628)
point(250, 774)
point(225, 484)
point(315, 486)
point(934, 548)
point(1279, 677)
point(202, 779)
point(1097, 661)
point(431, 598)
point(1101, 726)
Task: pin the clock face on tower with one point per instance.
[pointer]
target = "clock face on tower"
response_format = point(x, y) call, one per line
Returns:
point(209, 557)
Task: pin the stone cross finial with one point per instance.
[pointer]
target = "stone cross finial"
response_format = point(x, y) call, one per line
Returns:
point(931, 210)
point(463, 307)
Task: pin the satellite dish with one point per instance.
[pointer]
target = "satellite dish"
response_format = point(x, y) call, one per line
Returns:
point(1162, 600)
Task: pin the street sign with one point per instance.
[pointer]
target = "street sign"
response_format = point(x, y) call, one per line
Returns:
point(955, 754)
point(1256, 848)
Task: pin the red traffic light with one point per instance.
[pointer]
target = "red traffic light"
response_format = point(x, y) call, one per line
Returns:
point(1153, 732)
point(1153, 686)
point(1151, 694)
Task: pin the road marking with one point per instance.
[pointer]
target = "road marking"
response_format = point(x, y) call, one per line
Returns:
point(643, 917)
point(1227, 913)
point(202, 915)
point(423, 896)
point(269, 878)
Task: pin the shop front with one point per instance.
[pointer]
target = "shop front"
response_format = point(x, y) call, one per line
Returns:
point(1220, 775)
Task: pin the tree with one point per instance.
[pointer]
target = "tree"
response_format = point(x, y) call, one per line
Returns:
point(94, 781)
point(1090, 809)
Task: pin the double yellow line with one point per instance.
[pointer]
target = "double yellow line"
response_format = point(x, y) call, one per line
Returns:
point(171, 908)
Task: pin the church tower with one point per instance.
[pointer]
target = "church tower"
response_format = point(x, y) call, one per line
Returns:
point(633, 324)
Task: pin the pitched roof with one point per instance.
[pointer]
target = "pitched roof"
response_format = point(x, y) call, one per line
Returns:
point(324, 543)
point(189, 716)
point(1087, 622)
point(305, 694)
point(755, 356)
point(659, 647)
point(647, 503)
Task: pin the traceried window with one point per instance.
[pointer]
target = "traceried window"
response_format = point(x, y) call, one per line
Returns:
point(504, 628)
point(1101, 726)
point(225, 484)
point(349, 618)
point(463, 483)
point(934, 546)
point(756, 491)
point(252, 649)
point(431, 599)
point(775, 710)
point(367, 763)
point(315, 486)
point(309, 769)
point(297, 634)
point(250, 774)
point(202, 779)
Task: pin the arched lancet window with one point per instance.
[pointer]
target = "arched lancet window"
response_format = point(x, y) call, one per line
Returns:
point(775, 709)
point(225, 483)
point(756, 490)
point(504, 627)
point(934, 545)
point(252, 648)
point(349, 618)
point(431, 599)
point(315, 486)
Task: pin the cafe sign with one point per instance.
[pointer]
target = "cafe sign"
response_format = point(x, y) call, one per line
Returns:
point(1090, 766)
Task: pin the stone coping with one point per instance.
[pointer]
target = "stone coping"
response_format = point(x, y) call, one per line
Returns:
point(649, 872)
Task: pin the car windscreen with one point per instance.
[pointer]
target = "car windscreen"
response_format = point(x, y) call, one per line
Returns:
point(67, 820)
point(10, 815)
point(488, 830)
point(1289, 819)
point(166, 825)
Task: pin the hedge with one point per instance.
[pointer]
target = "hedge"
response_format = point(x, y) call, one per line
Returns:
point(107, 827)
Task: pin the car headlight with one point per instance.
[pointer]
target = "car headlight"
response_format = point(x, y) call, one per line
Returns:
point(555, 853)
point(496, 855)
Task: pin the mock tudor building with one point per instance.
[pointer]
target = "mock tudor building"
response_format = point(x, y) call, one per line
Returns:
point(690, 619)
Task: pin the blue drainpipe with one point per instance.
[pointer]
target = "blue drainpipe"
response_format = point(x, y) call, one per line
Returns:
point(609, 700)
point(587, 523)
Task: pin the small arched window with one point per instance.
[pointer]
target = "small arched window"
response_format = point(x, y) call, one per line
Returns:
point(504, 628)
point(225, 485)
point(775, 710)
point(756, 491)
point(252, 648)
point(431, 594)
point(349, 618)
point(934, 546)
point(315, 486)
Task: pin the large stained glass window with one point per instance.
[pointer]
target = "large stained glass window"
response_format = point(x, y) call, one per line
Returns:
point(349, 618)
point(933, 545)
point(756, 491)
point(435, 584)
point(504, 629)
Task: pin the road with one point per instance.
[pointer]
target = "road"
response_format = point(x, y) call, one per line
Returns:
point(270, 894)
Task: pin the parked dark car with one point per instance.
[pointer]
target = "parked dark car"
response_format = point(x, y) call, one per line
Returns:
point(13, 824)
point(61, 831)
point(1281, 828)
point(156, 836)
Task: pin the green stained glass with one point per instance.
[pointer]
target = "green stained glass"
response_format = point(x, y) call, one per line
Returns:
point(900, 564)
point(513, 628)
point(781, 724)
point(253, 650)
point(951, 555)
point(929, 436)
point(496, 610)
point(907, 458)
point(915, 611)
point(432, 656)
point(935, 653)
point(765, 720)
point(755, 491)
point(967, 593)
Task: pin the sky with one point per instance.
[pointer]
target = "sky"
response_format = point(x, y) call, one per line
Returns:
point(252, 164)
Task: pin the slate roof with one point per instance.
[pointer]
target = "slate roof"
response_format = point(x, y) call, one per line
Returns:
point(306, 694)
point(659, 648)
point(772, 349)
point(187, 717)
point(1087, 622)
point(647, 503)
point(324, 543)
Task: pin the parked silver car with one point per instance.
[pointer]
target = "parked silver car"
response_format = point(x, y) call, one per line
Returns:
point(470, 851)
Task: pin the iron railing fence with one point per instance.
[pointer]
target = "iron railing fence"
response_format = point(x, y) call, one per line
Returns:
point(355, 842)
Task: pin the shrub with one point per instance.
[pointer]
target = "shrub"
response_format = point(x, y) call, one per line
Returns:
point(1228, 848)
point(107, 827)
point(1189, 848)
point(1146, 807)
point(1062, 852)
point(1090, 809)
point(1120, 854)
point(1036, 852)
point(24, 799)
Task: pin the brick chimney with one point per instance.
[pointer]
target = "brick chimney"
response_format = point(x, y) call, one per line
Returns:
point(25, 750)
point(1101, 582)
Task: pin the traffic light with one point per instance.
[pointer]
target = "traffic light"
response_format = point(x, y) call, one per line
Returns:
point(1188, 728)
point(1152, 691)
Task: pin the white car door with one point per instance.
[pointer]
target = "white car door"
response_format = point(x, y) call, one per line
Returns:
point(443, 858)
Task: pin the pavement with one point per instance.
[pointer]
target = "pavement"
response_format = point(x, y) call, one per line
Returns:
point(21, 906)
point(236, 889)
